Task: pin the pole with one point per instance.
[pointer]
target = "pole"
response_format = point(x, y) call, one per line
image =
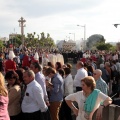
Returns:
point(22, 25)
point(85, 36)
point(74, 36)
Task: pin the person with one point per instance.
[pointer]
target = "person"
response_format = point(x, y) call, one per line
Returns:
point(65, 111)
point(14, 94)
point(58, 66)
point(34, 58)
point(61, 72)
point(1, 63)
point(90, 70)
point(81, 73)
point(25, 61)
point(100, 83)
point(105, 75)
point(110, 80)
point(88, 100)
point(100, 61)
point(40, 78)
point(56, 92)
point(91, 63)
point(50, 65)
point(33, 104)
point(69, 65)
point(10, 64)
point(45, 59)
point(3, 100)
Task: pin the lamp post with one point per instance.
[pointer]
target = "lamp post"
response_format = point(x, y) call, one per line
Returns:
point(22, 25)
point(73, 34)
point(116, 25)
point(84, 26)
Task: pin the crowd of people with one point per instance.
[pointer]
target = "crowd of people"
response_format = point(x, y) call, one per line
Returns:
point(39, 85)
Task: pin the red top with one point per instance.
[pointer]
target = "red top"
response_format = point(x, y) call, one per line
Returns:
point(93, 58)
point(10, 65)
point(3, 108)
point(26, 61)
point(83, 60)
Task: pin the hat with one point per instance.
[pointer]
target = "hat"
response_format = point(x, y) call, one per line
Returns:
point(36, 57)
point(11, 55)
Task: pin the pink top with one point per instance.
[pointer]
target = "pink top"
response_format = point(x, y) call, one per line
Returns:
point(3, 108)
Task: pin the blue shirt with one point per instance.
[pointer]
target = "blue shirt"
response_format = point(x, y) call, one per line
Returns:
point(56, 94)
point(102, 86)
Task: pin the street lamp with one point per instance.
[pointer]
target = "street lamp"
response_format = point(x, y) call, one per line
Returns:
point(73, 34)
point(84, 26)
point(116, 25)
point(22, 25)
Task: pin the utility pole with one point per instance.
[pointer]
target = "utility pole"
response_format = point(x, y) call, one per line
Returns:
point(22, 25)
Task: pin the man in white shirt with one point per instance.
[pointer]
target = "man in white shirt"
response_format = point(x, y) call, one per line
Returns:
point(40, 78)
point(81, 73)
point(33, 103)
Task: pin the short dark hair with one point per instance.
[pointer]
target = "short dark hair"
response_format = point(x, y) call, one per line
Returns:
point(69, 65)
point(59, 65)
point(37, 65)
point(12, 75)
point(50, 65)
point(61, 72)
point(50, 70)
point(67, 71)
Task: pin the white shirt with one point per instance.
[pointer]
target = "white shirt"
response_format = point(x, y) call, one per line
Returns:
point(18, 59)
point(81, 73)
point(115, 57)
point(80, 99)
point(33, 100)
point(68, 85)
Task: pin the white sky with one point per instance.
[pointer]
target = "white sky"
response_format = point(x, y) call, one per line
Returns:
point(60, 17)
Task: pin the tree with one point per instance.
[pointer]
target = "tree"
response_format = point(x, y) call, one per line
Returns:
point(104, 46)
point(1, 45)
point(95, 39)
point(43, 41)
point(16, 40)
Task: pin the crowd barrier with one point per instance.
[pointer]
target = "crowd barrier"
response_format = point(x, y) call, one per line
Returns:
point(110, 112)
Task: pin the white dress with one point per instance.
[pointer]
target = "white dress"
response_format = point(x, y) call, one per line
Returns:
point(80, 99)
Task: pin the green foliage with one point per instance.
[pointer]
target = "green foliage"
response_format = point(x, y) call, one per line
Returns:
point(43, 41)
point(1, 44)
point(104, 46)
point(16, 41)
point(113, 48)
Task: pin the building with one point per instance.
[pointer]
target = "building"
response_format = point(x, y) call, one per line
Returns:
point(69, 45)
point(66, 45)
point(4, 39)
point(11, 36)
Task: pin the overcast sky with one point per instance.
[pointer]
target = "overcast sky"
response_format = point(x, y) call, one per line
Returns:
point(61, 17)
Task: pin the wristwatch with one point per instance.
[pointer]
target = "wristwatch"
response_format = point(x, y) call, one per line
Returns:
point(103, 105)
